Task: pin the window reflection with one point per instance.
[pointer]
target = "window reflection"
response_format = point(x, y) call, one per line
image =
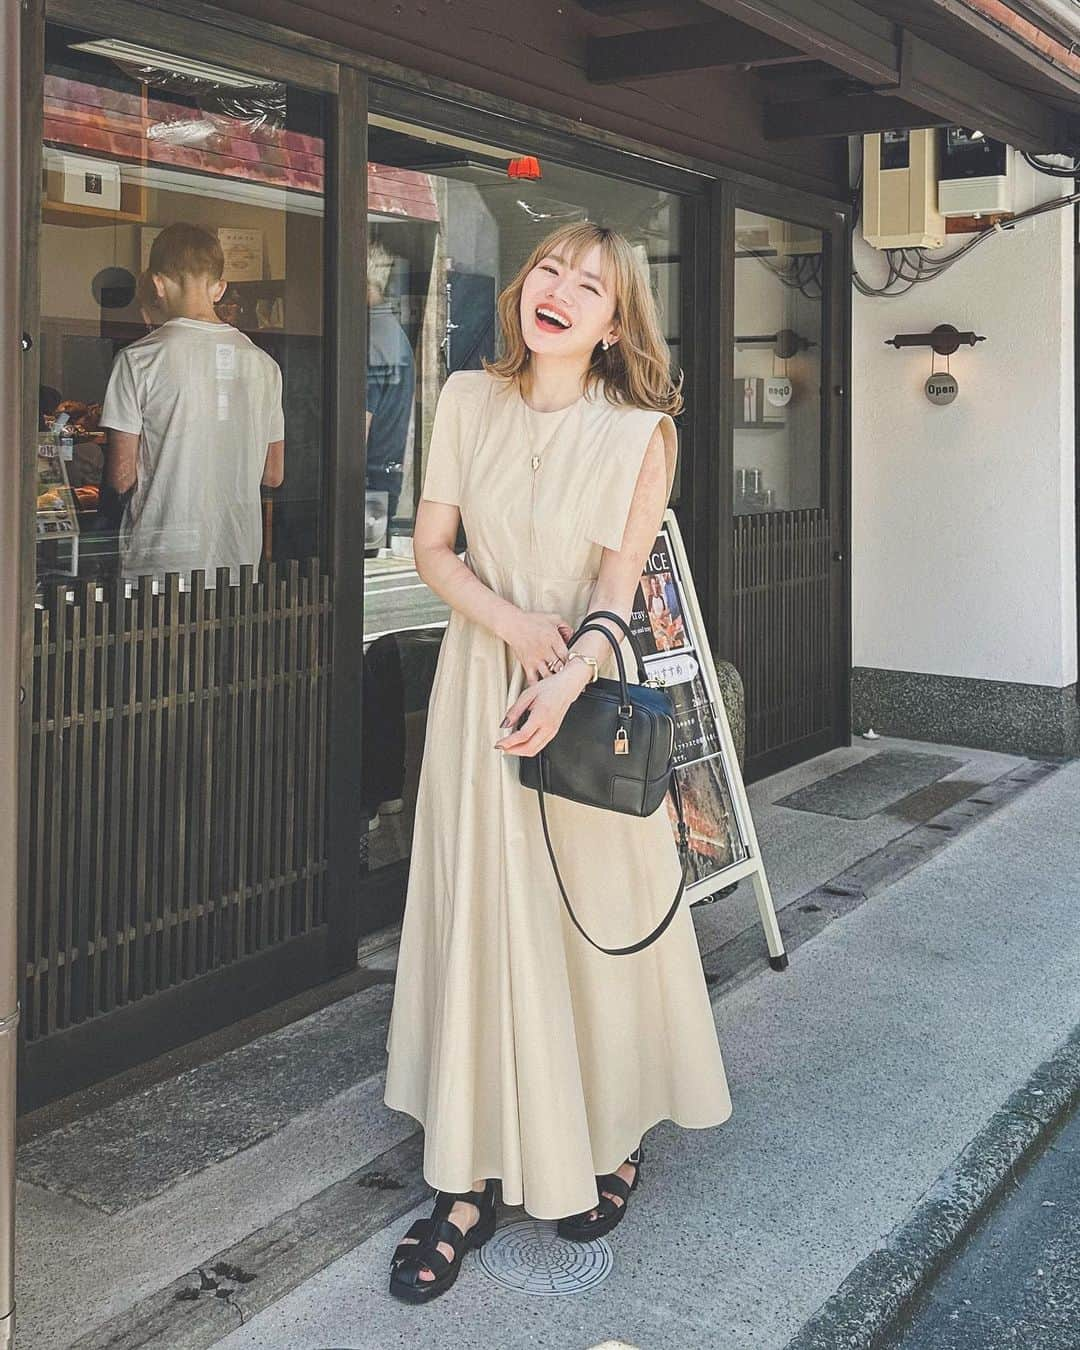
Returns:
point(193, 420)
point(391, 386)
point(448, 226)
point(776, 392)
point(181, 301)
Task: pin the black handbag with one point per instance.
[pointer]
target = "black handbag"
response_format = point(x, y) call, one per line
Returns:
point(613, 750)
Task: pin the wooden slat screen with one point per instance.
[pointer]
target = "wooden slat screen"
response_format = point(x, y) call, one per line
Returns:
point(176, 784)
point(782, 625)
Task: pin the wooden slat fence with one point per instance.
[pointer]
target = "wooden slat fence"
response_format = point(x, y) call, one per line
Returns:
point(782, 625)
point(176, 783)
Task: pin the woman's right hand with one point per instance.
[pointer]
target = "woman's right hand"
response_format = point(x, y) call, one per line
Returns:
point(536, 638)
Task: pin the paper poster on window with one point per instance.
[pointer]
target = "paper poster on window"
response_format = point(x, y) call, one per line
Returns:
point(243, 251)
point(673, 650)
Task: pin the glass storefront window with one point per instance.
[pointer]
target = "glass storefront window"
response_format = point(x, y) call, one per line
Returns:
point(175, 799)
point(448, 226)
point(164, 403)
point(776, 394)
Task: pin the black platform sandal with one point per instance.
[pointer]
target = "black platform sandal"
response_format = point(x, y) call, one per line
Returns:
point(580, 1228)
point(411, 1257)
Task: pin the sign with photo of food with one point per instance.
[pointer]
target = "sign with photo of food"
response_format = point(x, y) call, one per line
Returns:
point(676, 652)
point(56, 516)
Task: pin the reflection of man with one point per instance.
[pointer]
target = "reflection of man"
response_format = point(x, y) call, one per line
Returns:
point(195, 422)
point(391, 384)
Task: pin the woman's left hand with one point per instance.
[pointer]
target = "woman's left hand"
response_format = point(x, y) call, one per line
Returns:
point(543, 706)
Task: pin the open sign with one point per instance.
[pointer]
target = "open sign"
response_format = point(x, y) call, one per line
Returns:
point(778, 391)
point(941, 389)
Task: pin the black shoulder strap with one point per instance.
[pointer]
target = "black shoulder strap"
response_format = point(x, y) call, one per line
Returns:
point(683, 849)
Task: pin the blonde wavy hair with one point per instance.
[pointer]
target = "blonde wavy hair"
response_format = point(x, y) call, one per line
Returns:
point(636, 370)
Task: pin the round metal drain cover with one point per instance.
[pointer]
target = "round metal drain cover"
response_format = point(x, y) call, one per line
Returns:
point(529, 1256)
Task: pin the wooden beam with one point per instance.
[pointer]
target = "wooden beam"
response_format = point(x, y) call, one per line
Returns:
point(807, 70)
point(724, 44)
point(620, 9)
point(845, 34)
point(854, 39)
point(965, 96)
point(851, 115)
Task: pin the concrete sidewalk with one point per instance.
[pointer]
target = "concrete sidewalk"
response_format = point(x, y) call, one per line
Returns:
point(856, 1075)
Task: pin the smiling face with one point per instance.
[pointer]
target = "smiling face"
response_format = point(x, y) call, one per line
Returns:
point(567, 310)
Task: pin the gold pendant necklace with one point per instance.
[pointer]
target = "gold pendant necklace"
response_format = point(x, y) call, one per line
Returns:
point(535, 459)
point(530, 432)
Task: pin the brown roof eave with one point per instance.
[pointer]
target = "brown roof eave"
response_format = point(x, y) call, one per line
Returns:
point(1041, 51)
point(1031, 35)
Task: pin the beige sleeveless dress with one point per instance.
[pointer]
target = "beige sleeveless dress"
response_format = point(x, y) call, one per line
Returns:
point(524, 1052)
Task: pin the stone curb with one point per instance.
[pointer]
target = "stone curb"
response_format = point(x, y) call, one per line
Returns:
point(224, 1292)
point(873, 1303)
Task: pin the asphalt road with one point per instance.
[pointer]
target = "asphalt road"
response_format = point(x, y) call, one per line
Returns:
point(395, 598)
point(1016, 1284)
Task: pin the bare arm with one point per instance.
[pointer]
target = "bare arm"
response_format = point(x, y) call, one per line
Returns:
point(453, 581)
point(274, 468)
point(121, 460)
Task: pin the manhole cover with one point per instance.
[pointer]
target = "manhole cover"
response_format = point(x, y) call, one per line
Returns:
point(529, 1256)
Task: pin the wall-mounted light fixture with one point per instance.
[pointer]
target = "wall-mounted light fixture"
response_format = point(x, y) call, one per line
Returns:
point(785, 344)
point(944, 339)
point(941, 386)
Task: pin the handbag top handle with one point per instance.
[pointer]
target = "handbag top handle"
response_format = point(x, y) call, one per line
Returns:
point(635, 646)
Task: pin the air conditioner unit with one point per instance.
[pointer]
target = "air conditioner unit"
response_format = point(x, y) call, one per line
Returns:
point(900, 207)
point(975, 177)
point(788, 238)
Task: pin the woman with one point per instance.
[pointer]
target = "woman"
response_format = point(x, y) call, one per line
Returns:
point(526, 1054)
point(660, 617)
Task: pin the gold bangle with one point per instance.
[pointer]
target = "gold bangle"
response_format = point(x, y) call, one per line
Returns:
point(590, 661)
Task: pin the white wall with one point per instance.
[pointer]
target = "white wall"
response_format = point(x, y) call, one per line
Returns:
point(962, 516)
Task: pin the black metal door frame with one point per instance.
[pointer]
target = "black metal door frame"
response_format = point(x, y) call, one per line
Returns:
point(833, 222)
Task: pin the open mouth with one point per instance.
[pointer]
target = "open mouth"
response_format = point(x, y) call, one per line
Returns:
point(550, 320)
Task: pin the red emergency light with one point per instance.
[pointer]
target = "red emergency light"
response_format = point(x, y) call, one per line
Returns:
point(526, 166)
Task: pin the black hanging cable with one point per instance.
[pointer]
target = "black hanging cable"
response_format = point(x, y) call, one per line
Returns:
point(1051, 170)
point(904, 275)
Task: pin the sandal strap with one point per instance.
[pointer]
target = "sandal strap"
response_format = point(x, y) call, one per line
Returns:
point(445, 1200)
point(411, 1257)
point(611, 1181)
point(448, 1231)
point(421, 1230)
point(423, 1254)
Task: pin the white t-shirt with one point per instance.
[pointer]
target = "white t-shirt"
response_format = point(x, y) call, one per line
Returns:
point(205, 403)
